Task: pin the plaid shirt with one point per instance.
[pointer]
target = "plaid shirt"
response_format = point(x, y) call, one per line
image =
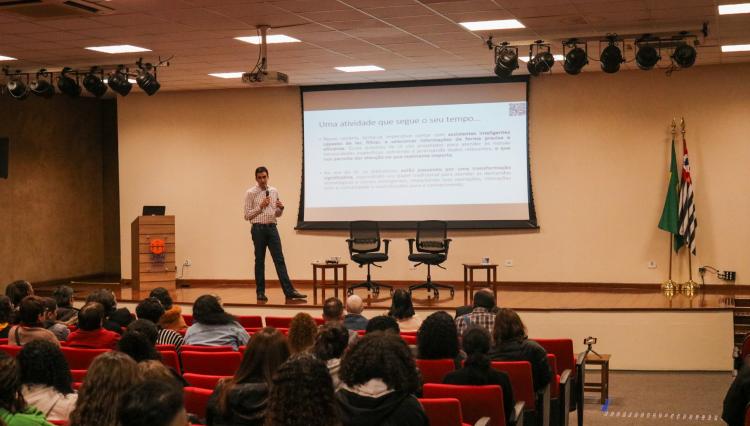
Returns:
point(479, 316)
point(253, 213)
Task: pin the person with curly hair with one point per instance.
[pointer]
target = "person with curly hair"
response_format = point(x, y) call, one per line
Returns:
point(153, 403)
point(382, 323)
point(66, 312)
point(513, 344)
point(46, 379)
point(151, 309)
point(90, 333)
point(478, 371)
point(212, 326)
point(139, 341)
point(302, 394)
point(6, 310)
point(242, 399)
point(302, 333)
point(109, 377)
point(437, 338)
point(330, 344)
point(380, 380)
point(30, 327)
point(402, 309)
point(17, 291)
point(172, 318)
point(14, 411)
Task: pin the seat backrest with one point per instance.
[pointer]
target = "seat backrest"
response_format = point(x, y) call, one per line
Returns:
point(170, 359)
point(278, 322)
point(211, 363)
point(188, 319)
point(202, 348)
point(80, 358)
point(435, 370)
point(476, 401)
point(203, 381)
point(563, 350)
point(196, 400)
point(250, 321)
point(431, 235)
point(78, 375)
point(11, 350)
point(408, 339)
point(4, 341)
point(519, 373)
point(442, 411)
point(365, 236)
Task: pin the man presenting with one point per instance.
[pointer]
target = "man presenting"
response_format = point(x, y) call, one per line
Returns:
point(262, 207)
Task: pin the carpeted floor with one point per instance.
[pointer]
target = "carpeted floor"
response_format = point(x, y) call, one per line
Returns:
point(663, 398)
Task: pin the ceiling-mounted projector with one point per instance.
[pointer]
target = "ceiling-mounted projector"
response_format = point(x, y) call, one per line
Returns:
point(265, 78)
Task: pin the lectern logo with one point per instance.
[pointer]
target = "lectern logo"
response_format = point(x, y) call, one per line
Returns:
point(156, 247)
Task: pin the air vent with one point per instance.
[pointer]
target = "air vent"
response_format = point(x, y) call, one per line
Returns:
point(40, 9)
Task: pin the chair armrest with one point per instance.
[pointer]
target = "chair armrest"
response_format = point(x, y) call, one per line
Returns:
point(447, 245)
point(546, 405)
point(386, 241)
point(484, 421)
point(349, 243)
point(411, 244)
point(517, 416)
point(565, 394)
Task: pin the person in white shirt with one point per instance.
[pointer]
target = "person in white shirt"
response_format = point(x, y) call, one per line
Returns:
point(47, 383)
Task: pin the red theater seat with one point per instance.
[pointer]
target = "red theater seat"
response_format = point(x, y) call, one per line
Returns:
point(79, 358)
point(78, 375)
point(410, 340)
point(477, 402)
point(201, 348)
point(11, 350)
point(196, 400)
point(170, 359)
point(434, 370)
point(203, 381)
point(188, 318)
point(250, 321)
point(211, 363)
point(443, 411)
point(278, 322)
point(161, 348)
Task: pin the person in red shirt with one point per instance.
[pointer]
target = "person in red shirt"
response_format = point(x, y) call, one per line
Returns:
point(90, 333)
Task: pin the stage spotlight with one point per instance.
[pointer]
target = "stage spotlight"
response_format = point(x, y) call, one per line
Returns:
point(684, 56)
point(146, 79)
point(575, 58)
point(506, 60)
point(540, 63)
point(67, 85)
point(42, 86)
point(118, 81)
point(17, 89)
point(611, 57)
point(94, 84)
point(647, 57)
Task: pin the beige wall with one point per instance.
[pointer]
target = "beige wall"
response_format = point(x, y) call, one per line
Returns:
point(53, 215)
point(599, 157)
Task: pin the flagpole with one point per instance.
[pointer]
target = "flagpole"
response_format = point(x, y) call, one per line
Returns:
point(688, 289)
point(669, 287)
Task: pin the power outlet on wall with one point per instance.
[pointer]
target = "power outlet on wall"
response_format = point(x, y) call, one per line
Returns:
point(508, 263)
point(651, 264)
point(188, 262)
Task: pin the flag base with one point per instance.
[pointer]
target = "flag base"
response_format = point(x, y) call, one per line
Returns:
point(669, 288)
point(689, 287)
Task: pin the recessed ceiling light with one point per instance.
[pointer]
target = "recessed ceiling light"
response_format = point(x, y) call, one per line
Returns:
point(7, 58)
point(227, 74)
point(360, 68)
point(276, 38)
point(736, 48)
point(731, 9)
point(503, 24)
point(557, 58)
point(121, 48)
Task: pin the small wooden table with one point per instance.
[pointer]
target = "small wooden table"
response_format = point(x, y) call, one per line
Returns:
point(602, 386)
point(470, 284)
point(335, 284)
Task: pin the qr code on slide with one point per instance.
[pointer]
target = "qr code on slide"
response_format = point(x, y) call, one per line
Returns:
point(516, 109)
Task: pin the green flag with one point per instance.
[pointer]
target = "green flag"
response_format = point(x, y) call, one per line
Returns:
point(670, 216)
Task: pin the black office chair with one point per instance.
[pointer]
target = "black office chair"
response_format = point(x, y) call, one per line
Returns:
point(364, 249)
point(432, 249)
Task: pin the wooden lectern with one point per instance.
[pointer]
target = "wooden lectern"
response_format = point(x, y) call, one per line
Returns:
point(152, 248)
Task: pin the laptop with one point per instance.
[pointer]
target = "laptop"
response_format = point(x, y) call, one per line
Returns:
point(154, 210)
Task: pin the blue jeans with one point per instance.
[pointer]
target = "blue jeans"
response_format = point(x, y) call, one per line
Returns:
point(268, 236)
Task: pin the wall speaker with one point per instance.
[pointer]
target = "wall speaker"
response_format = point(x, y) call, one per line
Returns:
point(4, 157)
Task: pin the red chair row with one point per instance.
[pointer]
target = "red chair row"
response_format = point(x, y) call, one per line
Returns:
point(256, 321)
point(479, 405)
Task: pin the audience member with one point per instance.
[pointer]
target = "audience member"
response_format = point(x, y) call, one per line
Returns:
point(46, 379)
point(153, 403)
point(66, 313)
point(14, 411)
point(90, 333)
point(437, 338)
point(354, 320)
point(213, 326)
point(151, 309)
point(111, 376)
point(333, 313)
point(512, 344)
point(737, 398)
point(172, 318)
point(139, 341)
point(477, 370)
point(6, 310)
point(242, 399)
point(482, 315)
point(302, 333)
point(302, 394)
point(49, 321)
point(156, 370)
point(382, 323)
point(330, 344)
point(402, 310)
point(17, 291)
point(30, 315)
point(114, 319)
point(380, 379)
